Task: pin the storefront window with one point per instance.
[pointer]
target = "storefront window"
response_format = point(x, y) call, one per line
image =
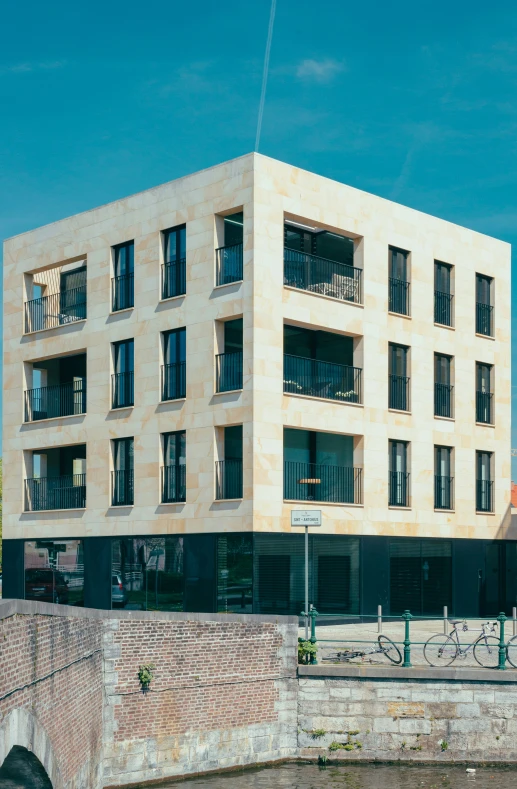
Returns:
point(54, 571)
point(235, 573)
point(147, 574)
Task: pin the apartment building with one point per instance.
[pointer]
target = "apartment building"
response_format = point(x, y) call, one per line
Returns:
point(186, 366)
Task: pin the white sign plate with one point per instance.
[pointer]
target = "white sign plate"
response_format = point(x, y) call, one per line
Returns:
point(305, 518)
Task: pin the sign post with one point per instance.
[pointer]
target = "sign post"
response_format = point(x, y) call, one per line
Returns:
point(306, 519)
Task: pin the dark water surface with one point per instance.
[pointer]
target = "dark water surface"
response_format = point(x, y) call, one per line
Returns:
point(360, 776)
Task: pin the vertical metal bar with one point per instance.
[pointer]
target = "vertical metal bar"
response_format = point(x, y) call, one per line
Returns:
point(502, 645)
point(306, 583)
point(406, 616)
point(514, 618)
point(379, 618)
point(445, 618)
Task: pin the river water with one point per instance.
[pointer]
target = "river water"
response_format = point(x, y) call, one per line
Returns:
point(360, 776)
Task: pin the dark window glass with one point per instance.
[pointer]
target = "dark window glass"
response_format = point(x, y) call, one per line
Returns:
point(398, 264)
point(123, 454)
point(442, 277)
point(233, 336)
point(483, 375)
point(54, 571)
point(443, 461)
point(124, 259)
point(233, 229)
point(442, 367)
point(124, 356)
point(148, 573)
point(420, 576)
point(174, 448)
point(175, 244)
point(483, 289)
point(175, 346)
point(233, 442)
point(235, 573)
point(398, 359)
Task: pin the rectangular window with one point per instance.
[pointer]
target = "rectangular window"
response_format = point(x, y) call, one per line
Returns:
point(484, 482)
point(229, 258)
point(235, 573)
point(147, 573)
point(484, 305)
point(484, 394)
point(443, 478)
point(443, 298)
point(420, 576)
point(174, 280)
point(398, 281)
point(398, 474)
point(174, 467)
point(229, 470)
point(443, 387)
point(54, 571)
point(123, 281)
point(228, 365)
point(398, 392)
point(174, 384)
point(122, 475)
point(123, 377)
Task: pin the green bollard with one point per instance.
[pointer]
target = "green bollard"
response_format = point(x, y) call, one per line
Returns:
point(502, 646)
point(406, 616)
point(313, 614)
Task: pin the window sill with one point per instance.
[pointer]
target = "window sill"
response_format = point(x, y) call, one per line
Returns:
point(171, 503)
point(397, 507)
point(323, 503)
point(68, 509)
point(485, 336)
point(445, 418)
point(323, 296)
point(228, 391)
point(399, 411)
point(229, 284)
point(482, 512)
point(444, 326)
point(53, 328)
point(485, 424)
point(121, 408)
point(441, 509)
point(170, 400)
point(52, 419)
point(400, 315)
point(171, 298)
point(120, 506)
point(323, 399)
point(222, 501)
point(119, 312)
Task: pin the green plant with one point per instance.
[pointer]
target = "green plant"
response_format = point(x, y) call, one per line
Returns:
point(317, 733)
point(402, 745)
point(415, 748)
point(335, 746)
point(322, 760)
point(306, 651)
point(145, 676)
point(444, 745)
point(348, 747)
point(353, 733)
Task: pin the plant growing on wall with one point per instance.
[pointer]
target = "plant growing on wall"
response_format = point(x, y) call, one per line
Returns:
point(306, 650)
point(145, 676)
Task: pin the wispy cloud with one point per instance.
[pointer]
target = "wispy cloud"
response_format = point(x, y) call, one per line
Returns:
point(319, 70)
point(27, 67)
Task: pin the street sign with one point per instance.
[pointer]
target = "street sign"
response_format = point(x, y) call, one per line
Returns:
point(305, 518)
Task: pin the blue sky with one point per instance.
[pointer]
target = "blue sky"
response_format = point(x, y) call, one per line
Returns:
point(414, 102)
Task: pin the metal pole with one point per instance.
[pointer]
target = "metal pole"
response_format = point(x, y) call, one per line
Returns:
point(514, 617)
point(313, 614)
point(379, 618)
point(407, 642)
point(306, 583)
point(502, 645)
point(445, 618)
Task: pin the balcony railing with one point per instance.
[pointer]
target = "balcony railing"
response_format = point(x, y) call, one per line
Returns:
point(174, 381)
point(399, 489)
point(319, 275)
point(398, 296)
point(228, 479)
point(122, 388)
point(174, 483)
point(55, 493)
point(443, 400)
point(484, 495)
point(484, 319)
point(484, 407)
point(174, 279)
point(322, 379)
point(49, 402)
point(443, 308)
point(398, 396)
point(314, 482)
point(122, 292)
point(58, 309)
point(443, 493)
point(228, 371)
point(228, 262)
point(122, 493)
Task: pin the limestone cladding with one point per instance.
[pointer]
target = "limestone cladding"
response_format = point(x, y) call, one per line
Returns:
point(267, 191)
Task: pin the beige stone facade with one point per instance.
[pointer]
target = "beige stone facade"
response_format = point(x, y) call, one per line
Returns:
point(268, 192)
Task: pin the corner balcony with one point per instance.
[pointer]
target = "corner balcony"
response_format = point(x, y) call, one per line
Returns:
point(322, 483)
point(325, 380)
point(319, 275)
point(57, 309)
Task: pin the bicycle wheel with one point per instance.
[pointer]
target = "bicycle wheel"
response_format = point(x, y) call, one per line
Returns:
point(390, 649)
point(440, 650)
point(486, 651)
point(511, 651)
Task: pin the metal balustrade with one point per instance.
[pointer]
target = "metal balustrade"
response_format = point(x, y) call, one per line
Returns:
point(398, 300)
point(122, 292)
point(174, 381)
point(174, 279)
point(228, 371)
point(443, 400)
point(398, 489)
point(55, 493)
point(49, 402)
point(484, 319)
point(398, 396)
point(315, 482)
point(443, 308)
point(122, 389)
point(228, 479)
point(484, 407)
point(443, 492)
point(319, 275)
point(228, 262)
point(122, 488)
point(327, 380)
point(58, 309)
point(174, 483)
point(484, 495)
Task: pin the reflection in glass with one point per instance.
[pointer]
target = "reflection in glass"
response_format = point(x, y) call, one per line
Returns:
point(235, 573)
point(147, 573)
point(54, 571)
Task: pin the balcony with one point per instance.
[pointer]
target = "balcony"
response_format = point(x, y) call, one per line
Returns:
point(49, 402)
point(55, 493)
point(443, 493)
point(58, 309)
point(122, 491)
point(443, 400)
point(398, 489)
point(319, 275)
point(484, 319)
point(174, 381)
point(174, 484)
point(484, 408)
point(314, 482)
point(398, 300)
point(325, 380)
point(122, 390)
point(228, 479)
point(174, 279)
point(228, 371)
point(122, 292)
point(443, 308)
point(228, 261)
point(484, 495)
point(398, 396)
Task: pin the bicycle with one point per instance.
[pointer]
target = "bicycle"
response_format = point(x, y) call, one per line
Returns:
point(511, 651)
point(385, 647)
point(442, 650)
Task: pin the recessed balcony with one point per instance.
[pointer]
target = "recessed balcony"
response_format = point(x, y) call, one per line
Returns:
point(58, 298)
point(60, 388)
point(58, 481)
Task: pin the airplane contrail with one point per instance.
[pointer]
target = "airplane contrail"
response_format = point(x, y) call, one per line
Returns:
point(265, 73)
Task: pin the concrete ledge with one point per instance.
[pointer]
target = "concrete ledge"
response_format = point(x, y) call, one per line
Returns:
point(483, 675)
